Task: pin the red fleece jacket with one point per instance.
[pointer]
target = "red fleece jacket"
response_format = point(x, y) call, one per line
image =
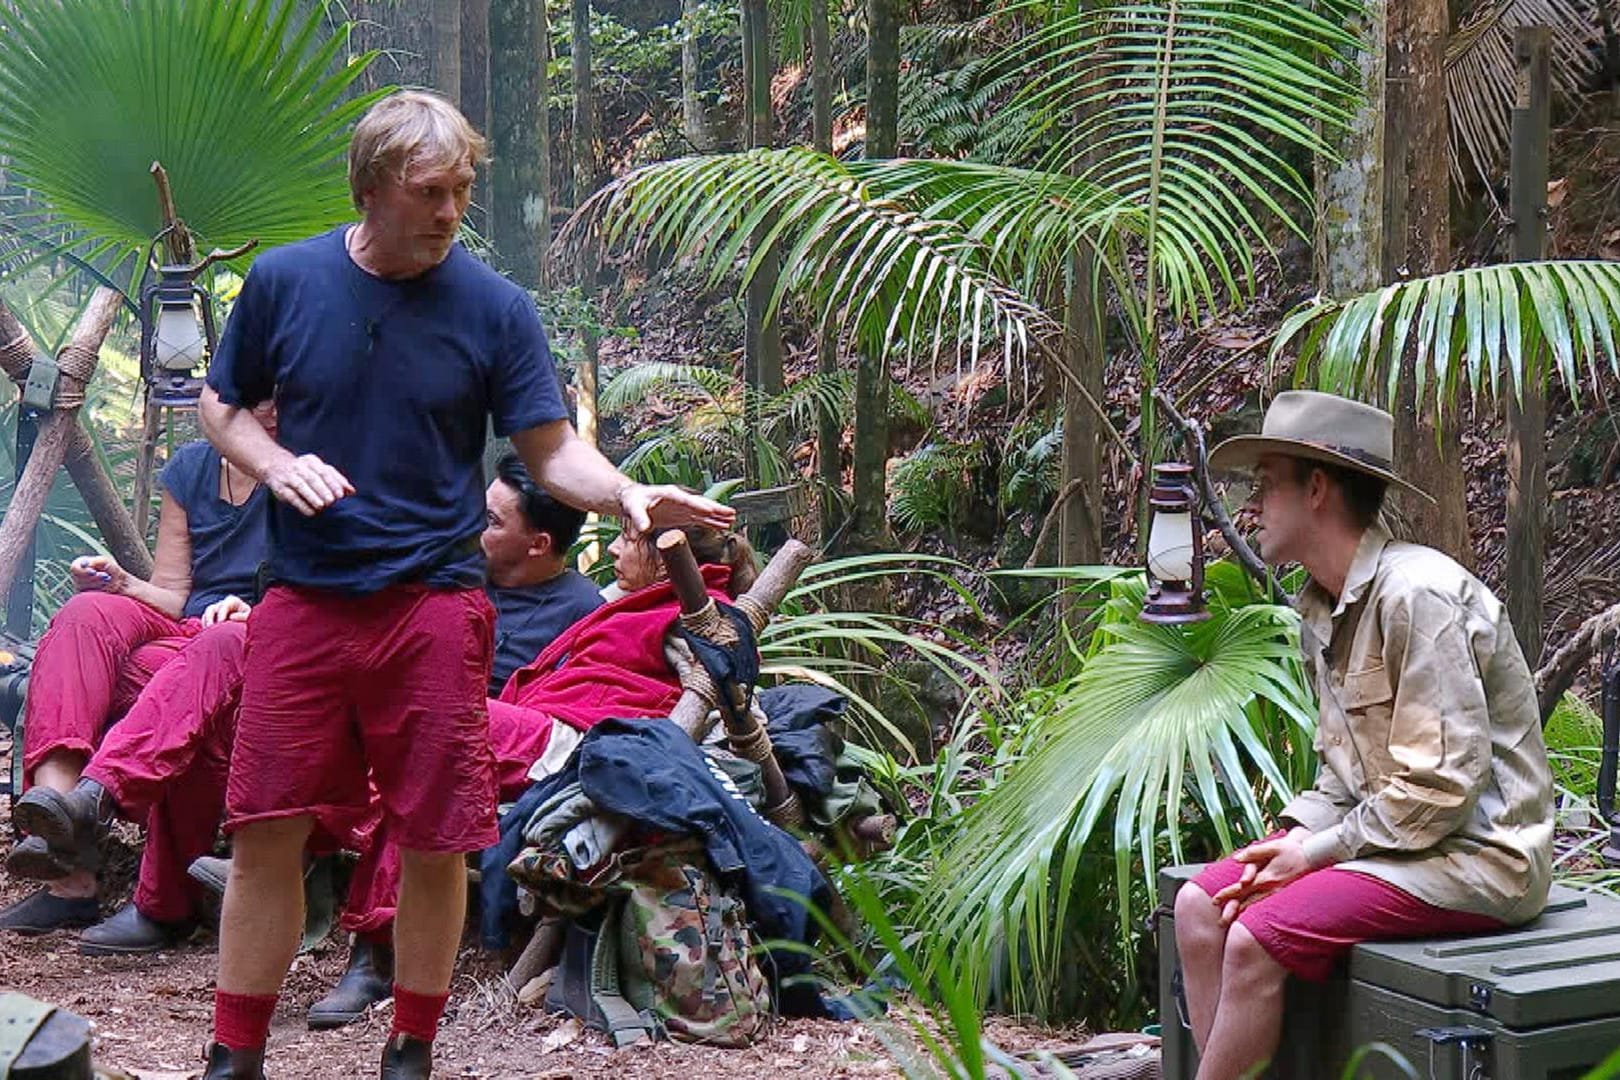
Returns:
point(611, 662)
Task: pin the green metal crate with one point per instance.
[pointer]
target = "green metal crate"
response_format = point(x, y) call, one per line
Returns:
point(1541, 1002)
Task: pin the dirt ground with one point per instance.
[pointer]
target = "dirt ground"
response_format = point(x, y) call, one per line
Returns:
point(152, 1015)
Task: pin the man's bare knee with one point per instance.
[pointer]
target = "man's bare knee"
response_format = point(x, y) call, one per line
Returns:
point(269, 846)
point(1246, 960)
point(1198, 923)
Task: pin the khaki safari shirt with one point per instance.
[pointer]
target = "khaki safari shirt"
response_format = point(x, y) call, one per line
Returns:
point(1433, 774)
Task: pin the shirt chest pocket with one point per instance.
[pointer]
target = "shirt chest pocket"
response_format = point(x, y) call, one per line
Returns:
point(1369, 706)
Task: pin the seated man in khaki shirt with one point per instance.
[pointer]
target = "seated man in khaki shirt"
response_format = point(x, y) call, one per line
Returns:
point(1432, 809)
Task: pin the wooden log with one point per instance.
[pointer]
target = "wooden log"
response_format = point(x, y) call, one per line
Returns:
point(1557, 675)
point(95, 486)
point(543, 951)
point(684, 573)
point(106, 506)
point(50, 449)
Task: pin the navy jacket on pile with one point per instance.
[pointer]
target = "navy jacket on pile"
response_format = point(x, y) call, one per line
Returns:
point(651, 772)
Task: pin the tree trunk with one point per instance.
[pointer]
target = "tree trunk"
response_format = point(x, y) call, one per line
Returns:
point(446, 57)
point(475, 100)
point(694, 114)
point(585, 182)
point(1527, 412)
point(405, 38)
point(870, 528)
point(1417, 223)
point(475, 62)
point(762, 336)
point(829, 425)
point(1383, 215)
point(1080, 523)
point(520, 214)
point(882, 78)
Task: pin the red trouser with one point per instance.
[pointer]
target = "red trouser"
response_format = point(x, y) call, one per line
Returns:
point(95, 657)
point(518, 736)
point(166, 763)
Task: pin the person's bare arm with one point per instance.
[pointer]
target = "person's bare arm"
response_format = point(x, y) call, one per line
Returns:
point(576, 473)
point(304, 482)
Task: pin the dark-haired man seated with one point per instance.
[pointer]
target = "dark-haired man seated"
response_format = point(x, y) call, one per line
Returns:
point(1432, 809)
point(178, 736)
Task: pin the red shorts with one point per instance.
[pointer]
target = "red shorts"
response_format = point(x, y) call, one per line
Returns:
point(1309, 924)
point(392, 683)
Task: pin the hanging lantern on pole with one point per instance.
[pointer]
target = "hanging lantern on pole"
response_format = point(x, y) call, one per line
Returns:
point(1175, 557)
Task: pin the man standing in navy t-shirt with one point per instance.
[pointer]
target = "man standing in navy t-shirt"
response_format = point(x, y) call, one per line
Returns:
point(387, 348)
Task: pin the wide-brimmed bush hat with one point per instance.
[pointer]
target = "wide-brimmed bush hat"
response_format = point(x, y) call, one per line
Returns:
point(1319, 427)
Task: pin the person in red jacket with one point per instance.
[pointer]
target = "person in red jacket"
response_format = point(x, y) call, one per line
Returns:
point(610, 663)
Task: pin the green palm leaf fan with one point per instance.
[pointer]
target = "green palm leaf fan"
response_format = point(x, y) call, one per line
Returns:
point(1216, 714)
point(244, 102)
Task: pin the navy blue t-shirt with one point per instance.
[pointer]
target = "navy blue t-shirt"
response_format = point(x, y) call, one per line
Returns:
point(227, 542)
point(528, 620)
point(390, 383)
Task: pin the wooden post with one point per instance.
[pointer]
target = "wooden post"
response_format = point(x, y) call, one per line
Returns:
point(178, 249)
point(1527, 405)
point(50, 449)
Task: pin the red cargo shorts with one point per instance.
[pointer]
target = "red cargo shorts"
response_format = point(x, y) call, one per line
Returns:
point(1309, 924)
point(393, 684)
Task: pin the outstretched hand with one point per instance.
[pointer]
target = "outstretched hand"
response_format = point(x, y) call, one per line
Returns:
point(668, 506)
point(1268, 865)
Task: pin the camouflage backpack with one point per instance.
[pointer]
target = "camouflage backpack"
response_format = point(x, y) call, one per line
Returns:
point(672, 955)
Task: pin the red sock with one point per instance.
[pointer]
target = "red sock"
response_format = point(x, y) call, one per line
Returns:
point(242, 1021)
point(417, 1015)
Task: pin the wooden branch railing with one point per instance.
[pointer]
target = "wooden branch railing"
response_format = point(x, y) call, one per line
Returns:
point(57, 436)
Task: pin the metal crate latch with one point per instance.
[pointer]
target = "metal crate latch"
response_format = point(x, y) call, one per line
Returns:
point(1472, 1043)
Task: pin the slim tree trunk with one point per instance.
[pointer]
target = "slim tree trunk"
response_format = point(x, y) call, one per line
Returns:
point(1527, 412)
point(475, 98)
point(694, 115)
point(1080, 520)
point(829, 425)
point(883, 78)
point(446, 56)
point(520, 212)
point(762, 336)
point(870, 528)
point(585, 182)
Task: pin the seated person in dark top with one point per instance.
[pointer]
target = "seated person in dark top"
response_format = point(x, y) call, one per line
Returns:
point(536, 594)
point(109, 641)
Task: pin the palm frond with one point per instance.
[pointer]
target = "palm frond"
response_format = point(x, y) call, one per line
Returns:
point(878, 270)
point(242, 101)
point(1155, 716)
point(637, 382)
point(1536, 319)
point(1192, 111)
point(1481, 77)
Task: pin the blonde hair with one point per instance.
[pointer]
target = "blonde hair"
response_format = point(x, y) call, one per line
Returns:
point(409, 128)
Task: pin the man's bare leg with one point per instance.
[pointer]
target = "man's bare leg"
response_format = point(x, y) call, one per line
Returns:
point(427, 927)
point(1201, 946)
point(1248, 1020)
point(263, 915)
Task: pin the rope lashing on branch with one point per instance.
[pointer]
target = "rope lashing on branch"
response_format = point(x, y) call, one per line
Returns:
point(16, 357)
point(77, 364)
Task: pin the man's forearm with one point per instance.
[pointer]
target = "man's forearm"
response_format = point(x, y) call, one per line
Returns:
point(570, 469)
point(238, 436)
